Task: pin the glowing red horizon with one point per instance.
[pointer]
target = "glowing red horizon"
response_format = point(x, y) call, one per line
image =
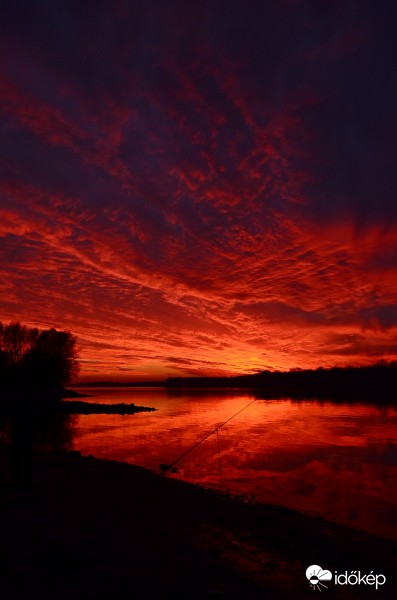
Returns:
point(199, 192)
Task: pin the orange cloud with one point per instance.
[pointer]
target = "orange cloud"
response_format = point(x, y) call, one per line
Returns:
point(217, 201)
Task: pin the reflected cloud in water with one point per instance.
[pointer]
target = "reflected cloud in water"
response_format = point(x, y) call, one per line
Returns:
point(335, 459)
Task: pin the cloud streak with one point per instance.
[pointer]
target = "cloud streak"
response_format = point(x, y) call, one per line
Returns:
point(211, 184)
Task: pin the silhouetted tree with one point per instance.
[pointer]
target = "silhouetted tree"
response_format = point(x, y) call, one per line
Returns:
point(29, 356)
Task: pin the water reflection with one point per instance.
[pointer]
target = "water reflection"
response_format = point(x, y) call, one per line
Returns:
point(51, 430)
point(26, 423)
point(338, 460)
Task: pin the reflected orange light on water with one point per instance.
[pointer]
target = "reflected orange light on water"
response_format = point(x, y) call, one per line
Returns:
point(335, 460)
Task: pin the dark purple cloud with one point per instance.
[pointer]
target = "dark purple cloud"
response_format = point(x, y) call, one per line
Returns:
point(210, 182)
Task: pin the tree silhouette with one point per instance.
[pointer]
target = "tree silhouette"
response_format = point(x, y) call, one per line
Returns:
point(29, 356)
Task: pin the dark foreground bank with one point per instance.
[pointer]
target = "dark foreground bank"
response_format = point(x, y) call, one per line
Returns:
point(104, 530)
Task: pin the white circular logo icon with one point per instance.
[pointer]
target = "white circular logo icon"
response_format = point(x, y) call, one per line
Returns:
point(316, 575)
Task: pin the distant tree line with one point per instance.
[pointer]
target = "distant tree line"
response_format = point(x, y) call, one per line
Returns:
point(36, 357)
point(336, 381)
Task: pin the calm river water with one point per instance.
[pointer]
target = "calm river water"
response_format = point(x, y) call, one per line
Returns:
point(337, 460)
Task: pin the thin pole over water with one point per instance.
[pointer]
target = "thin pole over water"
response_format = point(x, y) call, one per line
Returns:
point(164, 468)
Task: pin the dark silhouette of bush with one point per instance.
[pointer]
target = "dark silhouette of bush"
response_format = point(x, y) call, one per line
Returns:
point(34, 357)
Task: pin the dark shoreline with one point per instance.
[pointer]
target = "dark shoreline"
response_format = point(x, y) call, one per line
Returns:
point(376, 383)
point(101, 529)
point(44, 402)
point(75, 407)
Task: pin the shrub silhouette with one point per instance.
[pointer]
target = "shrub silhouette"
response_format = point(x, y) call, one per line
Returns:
point(34, 357)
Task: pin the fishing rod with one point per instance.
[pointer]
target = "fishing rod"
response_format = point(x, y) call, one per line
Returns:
point(164, 467)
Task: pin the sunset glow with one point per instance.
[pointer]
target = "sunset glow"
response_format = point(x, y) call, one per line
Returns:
point(335, 460)
point(201, 188)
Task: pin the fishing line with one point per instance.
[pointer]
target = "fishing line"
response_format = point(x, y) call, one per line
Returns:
point(164, 468)
point(219, 459)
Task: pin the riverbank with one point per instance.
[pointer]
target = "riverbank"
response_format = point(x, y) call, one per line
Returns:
point(99, 529)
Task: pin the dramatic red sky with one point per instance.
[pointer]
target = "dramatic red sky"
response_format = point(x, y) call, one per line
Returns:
point(201, 187)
